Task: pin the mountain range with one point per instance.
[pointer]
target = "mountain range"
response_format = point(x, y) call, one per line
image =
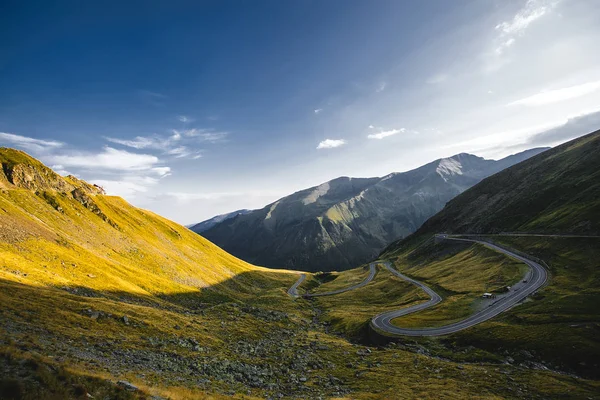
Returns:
point(104, 300)
point(347, 221)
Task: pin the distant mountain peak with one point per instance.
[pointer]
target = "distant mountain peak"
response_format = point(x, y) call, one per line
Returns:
point(449, 167)
point(319, 191)
point(347, 221)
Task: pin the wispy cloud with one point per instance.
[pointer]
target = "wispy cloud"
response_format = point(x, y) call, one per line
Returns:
point(128, 186)
point(553, 96)
point(112, 159)
point(205, 135)
point(28, 143)
point(179, 143)
point(318, 110)
point(331, 143)
point(139, 142)
point(184, 119)
point(59, 169)
point(383, 134)
point(510, 30)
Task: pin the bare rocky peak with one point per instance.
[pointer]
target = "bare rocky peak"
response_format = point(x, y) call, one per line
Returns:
point(20, 170)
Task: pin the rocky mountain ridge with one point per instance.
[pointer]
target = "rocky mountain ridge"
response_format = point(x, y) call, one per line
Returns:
point(347, 221)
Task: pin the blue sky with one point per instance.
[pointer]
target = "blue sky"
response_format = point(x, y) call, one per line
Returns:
point(191, 109)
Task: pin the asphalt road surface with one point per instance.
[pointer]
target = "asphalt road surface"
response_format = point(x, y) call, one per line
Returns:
point(293, 291)
point(537, 278)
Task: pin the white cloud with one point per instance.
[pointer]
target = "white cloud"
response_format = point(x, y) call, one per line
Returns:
point(331, 143)
point(553, 96)
point(112, 159)
point(28, 143)
point(205, 135)
point(516, 27)
point(139, 142)
point(384, 134)
point(183, 151)
point(532, 11)
point(180, 143)
point(318, 110)
point(184, 119)
point(59, 169)
point(122, 188)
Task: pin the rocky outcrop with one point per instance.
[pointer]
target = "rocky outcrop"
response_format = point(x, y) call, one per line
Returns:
point(21, 171)
point(34, 177)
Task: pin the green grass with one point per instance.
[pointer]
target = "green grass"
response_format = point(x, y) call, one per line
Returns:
point(339, 280)
point(350, 312)
point(460, 279)
point(560, 324)
point(67, 279)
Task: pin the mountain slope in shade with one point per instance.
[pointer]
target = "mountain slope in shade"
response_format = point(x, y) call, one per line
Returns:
point(556, 192)
point(209, 223)
point(348, 221)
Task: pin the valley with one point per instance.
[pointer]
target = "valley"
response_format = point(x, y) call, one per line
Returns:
point(300, 200)
point(103, 299)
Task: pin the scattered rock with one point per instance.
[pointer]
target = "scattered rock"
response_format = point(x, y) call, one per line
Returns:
point(127, 386)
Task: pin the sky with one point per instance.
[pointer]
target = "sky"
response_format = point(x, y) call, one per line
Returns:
point(197, 108)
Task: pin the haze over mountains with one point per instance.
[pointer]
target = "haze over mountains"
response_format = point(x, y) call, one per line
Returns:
point(347, 221)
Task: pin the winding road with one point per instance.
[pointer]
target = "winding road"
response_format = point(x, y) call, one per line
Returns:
point(293, 291)
point(536, 278)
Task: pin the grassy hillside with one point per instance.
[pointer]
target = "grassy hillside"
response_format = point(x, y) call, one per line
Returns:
point(95, 292)
point(64, 233)
point(557, 191)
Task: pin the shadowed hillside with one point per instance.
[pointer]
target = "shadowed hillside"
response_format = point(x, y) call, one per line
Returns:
point(557, 191)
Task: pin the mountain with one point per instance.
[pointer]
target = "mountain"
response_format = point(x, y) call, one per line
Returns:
point(66, 232)
point(104, 300)
point(348, 221)
point(556, 192)
point(548, 208)
point(209, 223)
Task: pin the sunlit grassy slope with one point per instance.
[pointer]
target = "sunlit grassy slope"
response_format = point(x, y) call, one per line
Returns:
point(65, 233)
